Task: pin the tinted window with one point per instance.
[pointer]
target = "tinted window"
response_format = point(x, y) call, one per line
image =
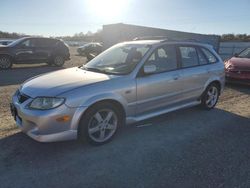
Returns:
point(202, 58)
point(164, 58)
point(189, 57)
point(245, 53)
point(44, 42)
point(211, 58)
point(27, 43)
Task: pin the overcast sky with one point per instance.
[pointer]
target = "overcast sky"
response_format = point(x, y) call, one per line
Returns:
point(67, 17)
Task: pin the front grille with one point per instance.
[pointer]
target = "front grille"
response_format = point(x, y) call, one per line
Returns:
point(22, 97)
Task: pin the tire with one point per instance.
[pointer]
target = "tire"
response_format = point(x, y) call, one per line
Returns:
point(210, 96)
point(58, 61)
point(99, 124)
point(5, 62)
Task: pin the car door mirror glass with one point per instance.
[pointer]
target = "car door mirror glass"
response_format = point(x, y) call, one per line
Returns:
point(149, 69)
point(236, 55)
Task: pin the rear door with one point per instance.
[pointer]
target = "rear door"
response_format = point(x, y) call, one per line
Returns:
point(193, 71)
point(163, 88)
point(43, 48)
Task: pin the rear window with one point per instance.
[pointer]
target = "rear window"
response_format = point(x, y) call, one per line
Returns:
point(210, 57)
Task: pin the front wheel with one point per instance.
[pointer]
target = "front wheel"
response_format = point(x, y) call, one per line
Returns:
point(5, 62)
point(210, 96)
point(58, 61)
point(99, 124)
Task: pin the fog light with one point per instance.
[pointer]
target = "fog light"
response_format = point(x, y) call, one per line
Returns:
point(63, 118)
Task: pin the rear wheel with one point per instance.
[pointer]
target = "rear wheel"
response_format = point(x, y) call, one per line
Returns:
point(58, 61)
point(99, 124)
point(210, 96)
point(5, 62)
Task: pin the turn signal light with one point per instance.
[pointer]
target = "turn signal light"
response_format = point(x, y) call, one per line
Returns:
point(64, 118)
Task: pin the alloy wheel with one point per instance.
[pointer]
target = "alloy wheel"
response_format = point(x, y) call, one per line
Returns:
point(212, 96)
point(102, 125)
point(58, 61)
point(5, 63)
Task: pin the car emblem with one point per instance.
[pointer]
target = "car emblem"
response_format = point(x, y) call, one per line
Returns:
point(239, 72)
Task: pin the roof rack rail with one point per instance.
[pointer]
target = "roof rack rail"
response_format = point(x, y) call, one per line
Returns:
point(151, 38)
point(166, 39)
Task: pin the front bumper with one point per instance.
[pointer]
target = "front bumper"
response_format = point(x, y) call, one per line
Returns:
point(42, 125)
point(238, 77)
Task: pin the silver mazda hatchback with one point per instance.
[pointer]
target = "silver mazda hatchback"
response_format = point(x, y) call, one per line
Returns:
point(127, 83)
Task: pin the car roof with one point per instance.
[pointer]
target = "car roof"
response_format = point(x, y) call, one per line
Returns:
point(167, 41)
point(39, 38)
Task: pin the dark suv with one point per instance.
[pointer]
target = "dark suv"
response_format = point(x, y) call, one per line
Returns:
point(34, 50)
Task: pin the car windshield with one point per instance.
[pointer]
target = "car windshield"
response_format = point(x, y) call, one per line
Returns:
point(120, 59)
point(15, 42)
point(245, 53)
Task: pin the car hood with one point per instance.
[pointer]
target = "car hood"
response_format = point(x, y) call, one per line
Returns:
point(58, 82)
point(240, 62)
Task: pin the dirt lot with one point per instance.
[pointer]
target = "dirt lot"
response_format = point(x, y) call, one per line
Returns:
point(186, 148)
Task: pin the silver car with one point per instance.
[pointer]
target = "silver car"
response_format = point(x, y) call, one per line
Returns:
point(127, 83)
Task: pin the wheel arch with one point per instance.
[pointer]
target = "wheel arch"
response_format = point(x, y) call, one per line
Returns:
point(8, 55)
point(114, 102)
point(214, 81)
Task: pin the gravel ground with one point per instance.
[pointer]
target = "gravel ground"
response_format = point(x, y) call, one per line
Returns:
point(186, 148)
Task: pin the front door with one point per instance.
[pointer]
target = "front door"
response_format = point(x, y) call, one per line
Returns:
point(163, 88)
point(24, 52)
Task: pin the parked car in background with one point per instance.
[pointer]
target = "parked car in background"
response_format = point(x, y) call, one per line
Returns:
point(238, 68)
point(127, 83)
point(5, 42)
point(90, 50)
point(34, 50)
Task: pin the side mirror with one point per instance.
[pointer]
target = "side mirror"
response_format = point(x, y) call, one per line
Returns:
point(149, 69)
point(236, 55)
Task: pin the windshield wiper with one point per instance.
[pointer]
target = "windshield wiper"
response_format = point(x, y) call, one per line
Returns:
point(99, 70)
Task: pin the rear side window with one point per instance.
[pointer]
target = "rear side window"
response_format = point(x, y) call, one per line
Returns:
point(164, 58)
point(211, 58)
point(44, 43)
point(202, 59)
point(189, 57)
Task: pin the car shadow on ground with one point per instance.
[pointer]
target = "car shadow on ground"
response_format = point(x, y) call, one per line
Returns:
point(239, 87)
point(18, 75)
point(187, 147)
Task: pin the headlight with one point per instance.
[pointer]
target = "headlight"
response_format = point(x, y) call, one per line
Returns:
point(45, 103)
point(229, 67)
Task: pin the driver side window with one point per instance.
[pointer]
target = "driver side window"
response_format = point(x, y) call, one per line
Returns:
point(164, 59)
point(27, 43)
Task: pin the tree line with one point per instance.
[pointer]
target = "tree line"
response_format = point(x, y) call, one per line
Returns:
point(88, 37)
point(97, 36)
point(235, 37)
